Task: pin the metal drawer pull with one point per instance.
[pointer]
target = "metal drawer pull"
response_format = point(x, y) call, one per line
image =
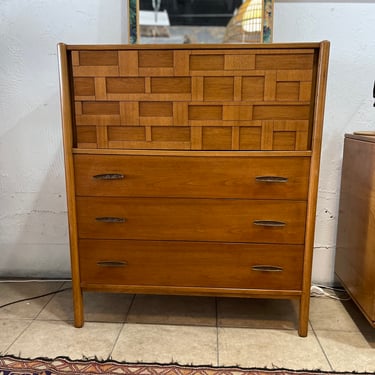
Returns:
point(271, 179)
point(109, 176)
point(269, 223)
point(108, 219)
point(111, 263)
point(267, 268)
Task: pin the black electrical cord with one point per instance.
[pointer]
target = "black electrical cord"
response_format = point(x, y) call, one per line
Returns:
point(36, 297)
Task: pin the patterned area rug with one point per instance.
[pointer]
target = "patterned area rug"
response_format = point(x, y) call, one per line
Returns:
point(10, 365)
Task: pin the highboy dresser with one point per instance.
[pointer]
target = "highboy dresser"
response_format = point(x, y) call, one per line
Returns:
point(193, 169)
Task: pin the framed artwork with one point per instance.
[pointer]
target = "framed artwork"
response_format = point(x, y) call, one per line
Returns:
point(202, 14)
point(267, 21)
point(133, 13)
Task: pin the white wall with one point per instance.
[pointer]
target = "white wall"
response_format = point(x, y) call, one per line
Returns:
point(33, 228)
point(350, 26)
point(33, 224)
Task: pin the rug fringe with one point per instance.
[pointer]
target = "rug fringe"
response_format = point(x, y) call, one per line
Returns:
point(223, 369)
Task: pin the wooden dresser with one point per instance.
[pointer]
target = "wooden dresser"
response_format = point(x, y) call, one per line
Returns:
point(355, 250)
point(193, 169)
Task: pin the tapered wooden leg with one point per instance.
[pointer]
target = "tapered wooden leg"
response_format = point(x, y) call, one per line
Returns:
point(78, 306)
point(304, 307)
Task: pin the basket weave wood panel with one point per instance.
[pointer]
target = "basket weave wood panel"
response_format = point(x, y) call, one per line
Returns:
point(198, 99)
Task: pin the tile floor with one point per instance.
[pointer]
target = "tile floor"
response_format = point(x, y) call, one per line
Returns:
point(187, 330)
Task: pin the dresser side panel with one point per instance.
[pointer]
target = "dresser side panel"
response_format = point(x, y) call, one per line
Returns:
point(68, 141)
point(355, 255)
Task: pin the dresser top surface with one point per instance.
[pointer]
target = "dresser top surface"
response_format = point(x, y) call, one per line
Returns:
point(195, 46)
point(365, 136)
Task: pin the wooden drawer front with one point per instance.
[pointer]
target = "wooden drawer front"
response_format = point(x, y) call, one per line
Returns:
point(211, 177)
point(223, 265)
point(192, 219)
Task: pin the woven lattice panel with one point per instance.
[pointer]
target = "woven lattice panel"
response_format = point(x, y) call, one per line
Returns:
point(199, 99)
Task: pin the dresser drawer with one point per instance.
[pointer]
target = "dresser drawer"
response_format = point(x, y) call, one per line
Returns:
point(192, 176)
point(233, 220)
point(194, 264)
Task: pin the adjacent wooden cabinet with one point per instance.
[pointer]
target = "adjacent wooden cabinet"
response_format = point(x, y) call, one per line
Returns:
point(193, 169)
point(355, 250)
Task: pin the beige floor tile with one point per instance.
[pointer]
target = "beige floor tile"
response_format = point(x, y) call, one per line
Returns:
point(349, 351)
point(173, 310)
point(98, 307)
point(10, 330)
point(166, 344)
point(330, 314)
point(57, 338)
point(270, 348)
point(257, 313)
point(344, 334)
point(15, 291)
